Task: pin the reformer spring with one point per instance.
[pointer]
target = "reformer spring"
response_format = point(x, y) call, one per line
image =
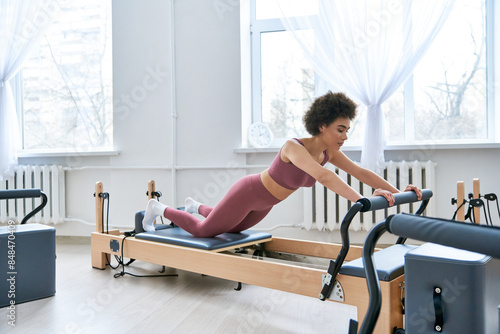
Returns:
point(490, 198)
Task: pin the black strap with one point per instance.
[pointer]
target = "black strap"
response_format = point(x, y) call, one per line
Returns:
point(438, 309)
point(456, 211)
point(469, 213)
point(490, 198)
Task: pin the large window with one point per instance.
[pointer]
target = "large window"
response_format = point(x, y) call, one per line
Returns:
point(445, 100)
point(65, 87)
point(449, 84)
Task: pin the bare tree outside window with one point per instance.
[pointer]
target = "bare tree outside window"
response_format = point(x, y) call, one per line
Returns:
point(287, 84)
point(450, 83)
point(287, 111)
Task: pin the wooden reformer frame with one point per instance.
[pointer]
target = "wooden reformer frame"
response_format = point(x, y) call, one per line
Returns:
point(294, 278)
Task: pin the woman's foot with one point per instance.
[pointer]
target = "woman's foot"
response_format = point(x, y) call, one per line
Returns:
point(153, 210)
point(191, 206)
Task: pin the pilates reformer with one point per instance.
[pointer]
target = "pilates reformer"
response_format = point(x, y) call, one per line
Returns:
point(344, 282)
point(481, 239)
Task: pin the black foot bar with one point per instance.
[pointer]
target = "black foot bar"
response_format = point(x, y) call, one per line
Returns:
point(364, 205)
point(25, 193)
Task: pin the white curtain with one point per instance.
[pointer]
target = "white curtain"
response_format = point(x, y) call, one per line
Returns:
point(367, 49)
point(22, 23)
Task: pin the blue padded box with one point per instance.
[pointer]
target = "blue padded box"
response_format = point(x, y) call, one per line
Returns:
point(27, 263)
point(388, 261)
point(468, 285)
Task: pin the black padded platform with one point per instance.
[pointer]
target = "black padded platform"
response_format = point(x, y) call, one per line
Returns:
point(179, 237)
point(388, 261)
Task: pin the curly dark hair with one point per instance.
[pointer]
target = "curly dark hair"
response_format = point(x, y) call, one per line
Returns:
point(327, 109)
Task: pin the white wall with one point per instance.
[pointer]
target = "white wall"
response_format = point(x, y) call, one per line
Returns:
point(206, 97)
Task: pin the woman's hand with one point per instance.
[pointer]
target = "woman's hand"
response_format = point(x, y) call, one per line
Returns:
point(386, 194)
point(390, 196)
point(415, 189)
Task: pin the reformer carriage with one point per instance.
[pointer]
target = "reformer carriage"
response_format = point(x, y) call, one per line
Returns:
point(343, 280)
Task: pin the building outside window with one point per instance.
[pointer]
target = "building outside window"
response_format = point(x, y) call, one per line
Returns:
point(64, 90)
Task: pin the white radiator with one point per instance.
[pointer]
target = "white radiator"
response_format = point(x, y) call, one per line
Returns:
point(324, 210)
point(50, 179)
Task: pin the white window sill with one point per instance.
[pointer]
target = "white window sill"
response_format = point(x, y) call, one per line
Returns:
point(392, 147)
point(67, 153)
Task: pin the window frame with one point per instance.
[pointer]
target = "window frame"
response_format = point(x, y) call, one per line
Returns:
point(18, 95)
point(257, 27)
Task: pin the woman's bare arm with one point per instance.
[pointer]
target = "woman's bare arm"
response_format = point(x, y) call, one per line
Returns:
point(366, 176)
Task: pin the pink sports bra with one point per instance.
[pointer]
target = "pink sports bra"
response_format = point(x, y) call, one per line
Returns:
point(290, 176)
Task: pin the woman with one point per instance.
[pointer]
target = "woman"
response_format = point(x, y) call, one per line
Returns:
point(298, 164)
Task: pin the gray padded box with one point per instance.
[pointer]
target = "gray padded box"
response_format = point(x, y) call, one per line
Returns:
point(470, 290)
point(33, 274)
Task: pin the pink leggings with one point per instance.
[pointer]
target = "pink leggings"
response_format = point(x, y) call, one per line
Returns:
point(246, 203)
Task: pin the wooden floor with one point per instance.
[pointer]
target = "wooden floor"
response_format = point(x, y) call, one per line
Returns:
point(93, 301)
